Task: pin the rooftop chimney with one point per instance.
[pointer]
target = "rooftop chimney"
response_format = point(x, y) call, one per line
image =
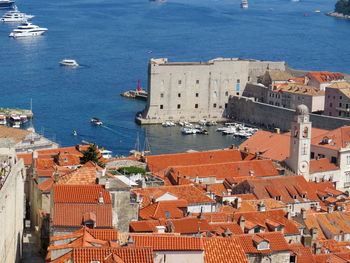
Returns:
point(278, 130)
point(107, 185)
point(303, 213)
point(251, 172)
point(100, 199)
point(241, 222)
point(317, 248)
point(330, 208)
point(261, 206)
point(160, 229)
point(207, 188)
point(313, 233)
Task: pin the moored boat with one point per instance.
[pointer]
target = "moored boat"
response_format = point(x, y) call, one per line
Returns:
point(96, 121)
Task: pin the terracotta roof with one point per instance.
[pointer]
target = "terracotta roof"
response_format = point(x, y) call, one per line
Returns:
point(341, 257)
point(186, 225)
point(278, 75)
point(42, 164)
point(268, 144)
point(263, 219)
point(220, 228)
point(168, 243)
point(127, 254)
point(102, 234)
point(297, 88)
point(258, 168)
point(79, 176)
point(72, 214)
point(83, 194)
point(17, 134)
point(164, 209)
point(335, 139)
point(160, 162)
point(185, 192)
point(223, 250)
point(336, 223)
point(67, 159)
point(27, 158)
point(71, 150)
point(278, 186)
point(303, 254)
point(275, 239)
point(332, 245)
point(46, 185)
point(325, 76)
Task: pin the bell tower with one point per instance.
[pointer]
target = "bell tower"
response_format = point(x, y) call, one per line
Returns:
point(300, 142)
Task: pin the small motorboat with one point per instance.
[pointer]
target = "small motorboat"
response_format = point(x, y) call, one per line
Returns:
point(74, 132)
point(69, 63)
point(96, 121)
point(168, 124)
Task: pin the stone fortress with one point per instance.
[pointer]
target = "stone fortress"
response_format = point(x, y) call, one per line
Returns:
point(191, 91)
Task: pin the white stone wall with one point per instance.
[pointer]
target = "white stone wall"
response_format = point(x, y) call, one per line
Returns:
point(12, 212)
point(194, 91)
point(204, 207)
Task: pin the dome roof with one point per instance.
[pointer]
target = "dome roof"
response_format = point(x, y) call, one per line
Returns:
point(302, 110)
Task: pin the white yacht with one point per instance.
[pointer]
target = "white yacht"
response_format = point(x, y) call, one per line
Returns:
point(15, 121)
point(244, 4)
point(15, 16)
point(27, 29)
point(69, 62)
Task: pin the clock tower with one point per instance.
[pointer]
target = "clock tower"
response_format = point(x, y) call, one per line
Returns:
point(300, 142)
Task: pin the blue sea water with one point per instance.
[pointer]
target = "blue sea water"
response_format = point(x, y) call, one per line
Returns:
point(113, 41)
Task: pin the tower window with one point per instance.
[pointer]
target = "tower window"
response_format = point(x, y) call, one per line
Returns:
point(179, 95)
point(214, 105)
point(197, 81)
point(179, 82)
point(161, 95)
point(306, 132)
point(197, 94)
point(196, 106)
point(161, 107)
point(179, 106)
point(226, 93)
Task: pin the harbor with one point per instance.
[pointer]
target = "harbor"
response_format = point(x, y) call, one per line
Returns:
point(66, 99)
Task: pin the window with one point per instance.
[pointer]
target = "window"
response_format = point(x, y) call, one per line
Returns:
point(237, 93)
point(340, 97)
point(333, 159)
point(161, 107)
point(238, 81)
point(339, 104)
point(257, 229)
point(346, 105)
point(179, 106)
point(179, 95)
point(263, 245)
point(196, 106)
point(312, 156)
point(197, 94)
point(347, 177)
point(248, 78)
point(331, 104)
point(348, 159)
point(339, 113)
point(226, 105)
point(306, 132)
point(179, 82)
point(161, 95)
point(197, 81)
point(226, 93)
point(214, 105)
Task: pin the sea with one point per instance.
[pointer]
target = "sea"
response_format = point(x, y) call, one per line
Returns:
point(113, 40)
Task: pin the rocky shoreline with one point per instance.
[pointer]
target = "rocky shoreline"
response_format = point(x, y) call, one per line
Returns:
point(338, 15)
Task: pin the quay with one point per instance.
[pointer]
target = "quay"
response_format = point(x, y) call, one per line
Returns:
point(8, 112)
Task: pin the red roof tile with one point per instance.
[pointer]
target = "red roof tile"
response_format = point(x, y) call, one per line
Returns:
point(27, 158)
point(275, 239)
point(258, 168)
point(322, 165)
point(72, 214)
point(303, 254)
point(223, 250)
point(159, 162)
point(185, 192)
point(164, 209)
point(325, 76)
point(166, 242)
point(83, 194)
point(128, 254)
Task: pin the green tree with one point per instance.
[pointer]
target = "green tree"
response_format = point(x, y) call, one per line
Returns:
point(91, 154)
point(131, 170)
point(343, 7)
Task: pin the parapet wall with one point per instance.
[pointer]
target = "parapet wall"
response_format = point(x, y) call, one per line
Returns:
point(265, 115)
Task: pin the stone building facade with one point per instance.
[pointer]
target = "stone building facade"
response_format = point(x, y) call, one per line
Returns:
point(197, 90)
point(12, 208)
